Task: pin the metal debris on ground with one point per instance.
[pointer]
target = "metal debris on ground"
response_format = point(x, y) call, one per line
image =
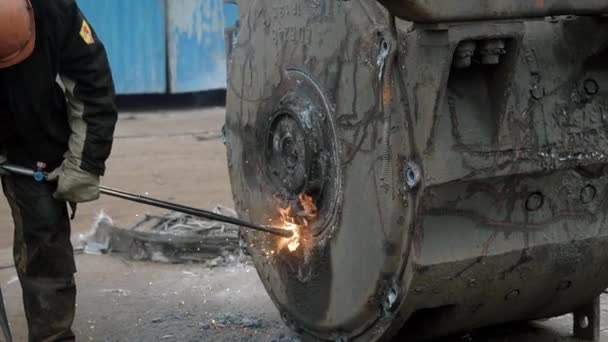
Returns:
point(233, 319)
point(97, 242)
point(120, 292)
point(171, 238)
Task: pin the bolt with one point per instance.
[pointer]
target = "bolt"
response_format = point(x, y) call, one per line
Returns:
point(535, 201)
point(464, 52)
point(588, 194)
point(391, 298)
point(412, 175)
point(591, 86)
point(491, 50)
point(512, 295)
point(537, 92)
point(564, 285)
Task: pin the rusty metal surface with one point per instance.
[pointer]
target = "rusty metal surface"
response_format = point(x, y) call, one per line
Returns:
point(433, 11)
point(459, 170)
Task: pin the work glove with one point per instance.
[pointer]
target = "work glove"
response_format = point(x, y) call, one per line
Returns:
point(74, 185)
point(3, 161)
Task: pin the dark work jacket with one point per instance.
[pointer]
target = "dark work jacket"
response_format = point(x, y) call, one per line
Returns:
point(60, 101)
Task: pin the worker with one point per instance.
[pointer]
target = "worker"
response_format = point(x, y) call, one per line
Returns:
point(57, 114)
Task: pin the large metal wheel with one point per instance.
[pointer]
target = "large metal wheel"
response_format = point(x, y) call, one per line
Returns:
point(305, 117)
point(433, 194)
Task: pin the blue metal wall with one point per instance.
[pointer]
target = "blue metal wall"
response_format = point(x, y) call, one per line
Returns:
point(163, 46)
point(134, 35)
point(231, 14)
point(196, 45)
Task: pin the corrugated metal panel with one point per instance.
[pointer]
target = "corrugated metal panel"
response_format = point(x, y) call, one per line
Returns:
point(134, 35)
point(196, 45)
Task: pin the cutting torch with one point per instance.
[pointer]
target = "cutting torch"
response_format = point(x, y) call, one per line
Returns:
point(40, 176)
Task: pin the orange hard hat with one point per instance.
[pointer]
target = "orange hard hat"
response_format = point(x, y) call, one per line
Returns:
point(17, 31)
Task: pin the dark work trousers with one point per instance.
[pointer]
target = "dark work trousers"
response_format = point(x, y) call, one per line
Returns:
point(44, 258)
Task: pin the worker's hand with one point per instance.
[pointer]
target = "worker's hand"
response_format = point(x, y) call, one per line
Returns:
point(3, 161)
point(74, 185)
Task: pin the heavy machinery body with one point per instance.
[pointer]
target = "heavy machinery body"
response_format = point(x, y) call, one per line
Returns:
point(456, 151)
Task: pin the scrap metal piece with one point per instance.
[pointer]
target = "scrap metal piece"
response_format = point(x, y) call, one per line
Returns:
point(171, 238)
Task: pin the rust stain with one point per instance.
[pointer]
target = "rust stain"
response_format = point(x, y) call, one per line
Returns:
point(540, 3)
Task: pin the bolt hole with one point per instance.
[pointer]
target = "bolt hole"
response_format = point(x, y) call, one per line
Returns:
point(588, 194)
point(535, 201)
point(583, 322)
point(385, 45)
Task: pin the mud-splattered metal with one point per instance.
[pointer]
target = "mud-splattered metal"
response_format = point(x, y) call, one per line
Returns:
point(463, 176)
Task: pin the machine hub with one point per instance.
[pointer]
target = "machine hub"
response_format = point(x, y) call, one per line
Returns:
point(300, 148)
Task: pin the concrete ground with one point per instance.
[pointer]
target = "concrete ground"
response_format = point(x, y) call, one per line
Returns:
point(179, 156)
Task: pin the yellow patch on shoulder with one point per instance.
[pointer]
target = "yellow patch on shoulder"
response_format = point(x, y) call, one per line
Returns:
point(86, 33)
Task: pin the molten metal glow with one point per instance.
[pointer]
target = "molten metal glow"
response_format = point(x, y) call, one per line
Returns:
point(310, 209)
point(289, 224)
point(295, 222)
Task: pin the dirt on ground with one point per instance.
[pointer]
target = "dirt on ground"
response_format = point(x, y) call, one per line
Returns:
point(179, 156)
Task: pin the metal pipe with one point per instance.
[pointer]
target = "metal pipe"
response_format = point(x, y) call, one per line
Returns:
point(192, 211)
point(18, 170)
